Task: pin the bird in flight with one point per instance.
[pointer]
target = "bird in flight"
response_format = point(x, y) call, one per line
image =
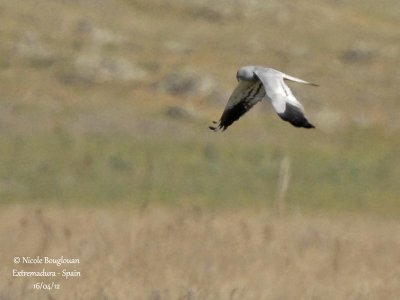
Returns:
point(254, 84)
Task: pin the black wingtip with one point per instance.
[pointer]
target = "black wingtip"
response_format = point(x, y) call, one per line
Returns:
point(214, 127)
point(217, 127)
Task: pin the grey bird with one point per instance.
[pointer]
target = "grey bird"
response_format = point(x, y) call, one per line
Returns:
point(255, 83)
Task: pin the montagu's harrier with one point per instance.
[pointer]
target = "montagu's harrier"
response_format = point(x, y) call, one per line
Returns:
point(254, 84)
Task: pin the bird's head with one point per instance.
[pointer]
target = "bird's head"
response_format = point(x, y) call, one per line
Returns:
point(246, 73)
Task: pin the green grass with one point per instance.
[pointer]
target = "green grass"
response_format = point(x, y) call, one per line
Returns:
point(67, 136)
point(99, 169)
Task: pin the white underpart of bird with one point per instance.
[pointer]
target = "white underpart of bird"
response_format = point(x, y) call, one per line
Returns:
point(257, 83)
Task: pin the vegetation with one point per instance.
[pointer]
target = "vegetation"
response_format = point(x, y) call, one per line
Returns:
point(106, 156)
point(98, 108)
point(195, 254)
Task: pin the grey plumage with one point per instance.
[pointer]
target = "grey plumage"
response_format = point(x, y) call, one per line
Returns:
point(254, 84)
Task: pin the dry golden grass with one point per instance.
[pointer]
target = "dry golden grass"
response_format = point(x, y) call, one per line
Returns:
point(187, 253)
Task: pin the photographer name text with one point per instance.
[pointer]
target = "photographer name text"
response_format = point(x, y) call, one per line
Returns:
point(59, 261)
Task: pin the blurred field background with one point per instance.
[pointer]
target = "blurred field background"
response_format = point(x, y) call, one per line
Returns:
point(104, 109)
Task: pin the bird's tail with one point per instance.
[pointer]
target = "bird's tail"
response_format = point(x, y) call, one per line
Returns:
point(291, 78)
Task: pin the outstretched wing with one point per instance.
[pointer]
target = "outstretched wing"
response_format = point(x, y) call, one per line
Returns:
point(283, 101)
point(243, 98)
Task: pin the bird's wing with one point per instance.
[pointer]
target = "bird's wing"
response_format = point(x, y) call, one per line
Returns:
point(243, 98)
point(282, 98)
